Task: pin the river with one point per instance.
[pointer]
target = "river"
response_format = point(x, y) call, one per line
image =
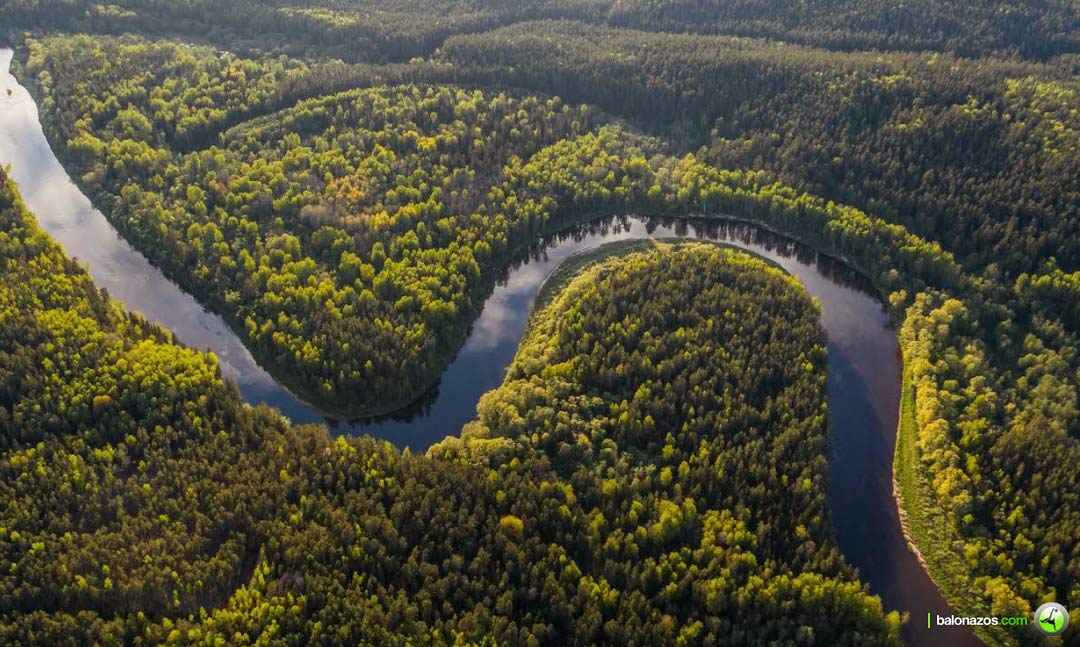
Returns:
point(863, 356)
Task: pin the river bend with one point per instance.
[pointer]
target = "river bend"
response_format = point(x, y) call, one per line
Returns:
point(863, 357)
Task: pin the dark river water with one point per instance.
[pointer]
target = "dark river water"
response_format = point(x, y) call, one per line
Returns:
point(863, 357)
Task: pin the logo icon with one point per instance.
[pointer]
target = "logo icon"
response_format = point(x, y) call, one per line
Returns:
point(1051, 618)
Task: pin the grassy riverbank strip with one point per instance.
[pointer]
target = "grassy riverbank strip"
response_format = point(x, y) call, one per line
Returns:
point(927, 527)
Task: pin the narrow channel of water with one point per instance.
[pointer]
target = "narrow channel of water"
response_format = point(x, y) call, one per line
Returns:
point(863, 357)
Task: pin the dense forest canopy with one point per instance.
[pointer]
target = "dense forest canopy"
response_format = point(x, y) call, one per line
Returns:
point(351, 256)
point(345, 186)
point(401, 29)
point(163, 509)
point(981, 156)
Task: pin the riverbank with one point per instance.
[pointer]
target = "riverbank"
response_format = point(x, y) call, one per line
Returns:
point(927, 527)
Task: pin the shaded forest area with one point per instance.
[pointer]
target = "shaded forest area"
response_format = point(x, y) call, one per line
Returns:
point(397, 30)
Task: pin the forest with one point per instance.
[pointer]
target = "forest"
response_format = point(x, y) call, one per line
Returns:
point(397, 30)
point(177, 514)
point(981, 156)
point(344, 186)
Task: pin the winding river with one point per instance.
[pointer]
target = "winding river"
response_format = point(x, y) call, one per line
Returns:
point(863, 357)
